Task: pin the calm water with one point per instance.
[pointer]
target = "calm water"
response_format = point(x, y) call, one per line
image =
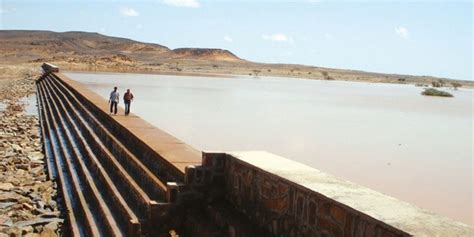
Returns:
point(387, 137)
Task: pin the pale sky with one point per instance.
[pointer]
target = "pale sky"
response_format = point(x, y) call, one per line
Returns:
point(407, 37)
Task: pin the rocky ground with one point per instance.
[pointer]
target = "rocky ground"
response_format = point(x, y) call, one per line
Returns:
point(28, 204)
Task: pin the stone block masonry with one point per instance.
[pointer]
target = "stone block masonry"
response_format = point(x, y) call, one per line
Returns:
point(286, 198)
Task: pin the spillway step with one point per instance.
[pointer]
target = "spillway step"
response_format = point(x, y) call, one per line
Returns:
point(109, 185)
point(95, 115)
point(80, 221)
point(152, 185)
point(107, 189)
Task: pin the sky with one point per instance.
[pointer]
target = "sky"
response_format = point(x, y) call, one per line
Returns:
point(404, 37)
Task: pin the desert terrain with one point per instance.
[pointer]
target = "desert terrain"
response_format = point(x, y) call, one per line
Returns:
point(84, 51)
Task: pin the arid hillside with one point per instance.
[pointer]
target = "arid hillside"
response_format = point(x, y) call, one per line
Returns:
point(209, 54)
point(84, 51)
point(30, 44)
point(36, 44)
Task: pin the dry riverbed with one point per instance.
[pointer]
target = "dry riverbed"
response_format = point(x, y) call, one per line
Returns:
point(28, 204)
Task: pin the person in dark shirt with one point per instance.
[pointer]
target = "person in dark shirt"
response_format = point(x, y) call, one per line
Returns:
point(127, 99)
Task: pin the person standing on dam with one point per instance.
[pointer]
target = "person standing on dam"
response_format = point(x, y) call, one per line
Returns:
point(114, 100)
point(127, 99)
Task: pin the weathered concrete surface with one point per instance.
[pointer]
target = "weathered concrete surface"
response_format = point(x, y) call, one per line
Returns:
point(399, 214)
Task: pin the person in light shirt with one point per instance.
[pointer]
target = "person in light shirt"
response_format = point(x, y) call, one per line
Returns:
point(114, 100)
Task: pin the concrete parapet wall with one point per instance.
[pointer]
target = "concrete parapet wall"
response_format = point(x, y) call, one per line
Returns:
point(287, 198)
point(285, 208)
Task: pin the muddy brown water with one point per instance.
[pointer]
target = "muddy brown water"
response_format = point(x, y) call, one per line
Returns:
point(384, 136)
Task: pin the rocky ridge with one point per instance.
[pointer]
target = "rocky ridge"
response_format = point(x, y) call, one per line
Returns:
point(209, 54)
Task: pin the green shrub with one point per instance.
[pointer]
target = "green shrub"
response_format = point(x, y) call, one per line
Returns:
point(434, 92)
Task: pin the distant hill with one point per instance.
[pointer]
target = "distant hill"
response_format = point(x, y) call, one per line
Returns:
point(210, 54)
point(38, 44)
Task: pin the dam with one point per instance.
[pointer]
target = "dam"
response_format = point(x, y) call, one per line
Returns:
point(121, 176)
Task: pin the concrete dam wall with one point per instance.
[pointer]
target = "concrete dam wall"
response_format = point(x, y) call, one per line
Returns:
point(121, 176)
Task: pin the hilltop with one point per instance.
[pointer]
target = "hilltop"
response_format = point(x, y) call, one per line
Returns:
point(209, 54)
point(87, 51)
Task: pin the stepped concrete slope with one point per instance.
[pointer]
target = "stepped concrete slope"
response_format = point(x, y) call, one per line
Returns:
point(121, 176)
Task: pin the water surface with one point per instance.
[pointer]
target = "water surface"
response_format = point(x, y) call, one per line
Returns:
point(384, 136)
point(29, 103)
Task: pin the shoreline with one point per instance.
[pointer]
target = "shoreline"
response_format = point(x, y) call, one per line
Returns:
point(222, 69)
point(217, 75)
point(192, 74)
point(29, 204)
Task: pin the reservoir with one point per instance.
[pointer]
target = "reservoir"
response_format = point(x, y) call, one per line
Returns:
point(387, 137)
